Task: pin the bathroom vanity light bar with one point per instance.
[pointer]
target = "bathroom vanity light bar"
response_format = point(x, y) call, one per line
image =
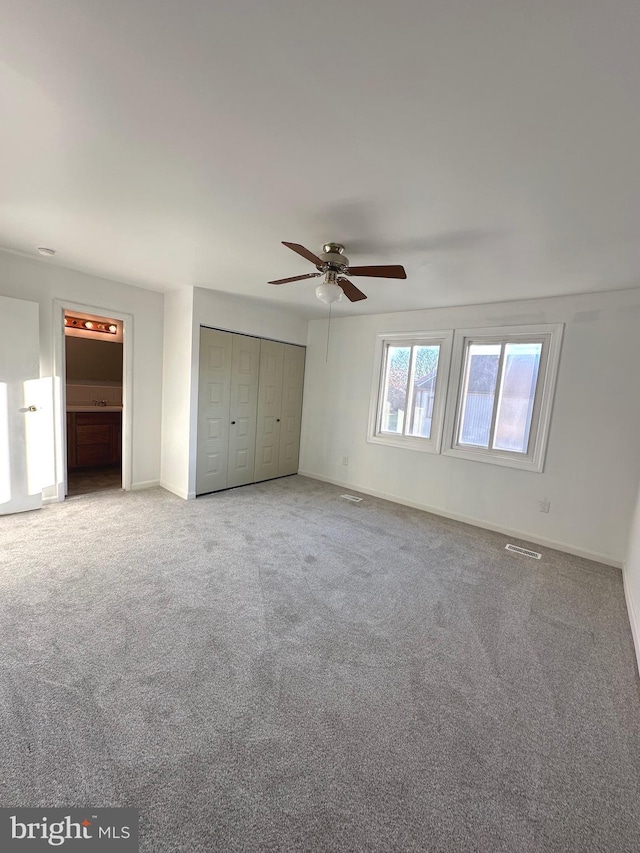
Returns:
point(108, 328)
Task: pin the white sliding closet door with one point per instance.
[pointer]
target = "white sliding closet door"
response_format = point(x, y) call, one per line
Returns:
point(292, 381)
point(269, 405)
point(214, 397)
point(245, 369)
point(249, 410)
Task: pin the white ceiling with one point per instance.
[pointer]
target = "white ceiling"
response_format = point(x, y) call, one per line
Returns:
point(491, 147)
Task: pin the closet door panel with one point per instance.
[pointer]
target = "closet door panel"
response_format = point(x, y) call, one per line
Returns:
point(292, 382)
point(249, 410)
point(269, 414)
point(213, 410)
point(243, 410)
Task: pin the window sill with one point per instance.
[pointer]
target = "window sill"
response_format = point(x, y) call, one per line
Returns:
point(525, 464)
point(424, 445)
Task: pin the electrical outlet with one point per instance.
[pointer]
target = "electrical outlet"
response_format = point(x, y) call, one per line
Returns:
point(345, 461)
point(545, 505)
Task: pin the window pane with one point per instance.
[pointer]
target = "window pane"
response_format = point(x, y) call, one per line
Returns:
point(517, 394)
point(425, 370)
point(478, 394)
point(394, 398)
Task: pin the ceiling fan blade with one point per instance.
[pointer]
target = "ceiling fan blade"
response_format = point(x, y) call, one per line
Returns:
point(295, 278)
point(296, 247)
point(350, 290)
point(378, 272)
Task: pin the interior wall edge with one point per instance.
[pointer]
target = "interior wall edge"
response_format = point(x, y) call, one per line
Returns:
point(633, 616)
point(475, 522)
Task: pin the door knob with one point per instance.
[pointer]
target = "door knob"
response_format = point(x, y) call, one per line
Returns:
point(233, 422)
point(277, 420)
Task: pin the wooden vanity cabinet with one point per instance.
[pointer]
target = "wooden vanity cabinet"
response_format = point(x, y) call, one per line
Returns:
point(94, 438)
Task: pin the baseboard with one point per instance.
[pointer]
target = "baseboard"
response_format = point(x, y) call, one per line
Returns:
point(53, 494)
point(51, 499)
point(145, 484)
point(476, 522)
point(181, 493)
point(633, 616)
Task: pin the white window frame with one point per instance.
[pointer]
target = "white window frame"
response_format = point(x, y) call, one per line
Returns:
point(443, 338)
point(551, 337)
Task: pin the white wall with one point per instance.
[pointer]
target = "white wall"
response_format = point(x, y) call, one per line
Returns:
point(42, 282)
point(185, 312)
point(177, 392)
point(248, 316)
point(593, 457)
point(632, 578)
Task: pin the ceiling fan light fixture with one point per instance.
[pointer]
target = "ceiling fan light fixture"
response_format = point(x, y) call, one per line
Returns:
point(333, 264)
point(329, 292)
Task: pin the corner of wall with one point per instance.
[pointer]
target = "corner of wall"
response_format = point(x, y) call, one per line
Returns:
point(633, 615)
point(631, 579)
point(176, 490)
point(177, 384)
point(144, 484)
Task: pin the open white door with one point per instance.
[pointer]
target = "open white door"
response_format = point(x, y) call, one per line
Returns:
point(21, 411)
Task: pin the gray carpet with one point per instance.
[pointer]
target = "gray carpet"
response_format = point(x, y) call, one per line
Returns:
point(276, 669)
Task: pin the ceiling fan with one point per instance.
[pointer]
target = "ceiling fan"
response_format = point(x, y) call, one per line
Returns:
point(333, 264)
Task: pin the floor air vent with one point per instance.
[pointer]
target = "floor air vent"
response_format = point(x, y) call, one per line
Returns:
point(351, 498)
point(524, 551)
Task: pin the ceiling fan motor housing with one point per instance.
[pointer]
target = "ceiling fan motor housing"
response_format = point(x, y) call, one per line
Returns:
point(334, 264)
point(334, 258)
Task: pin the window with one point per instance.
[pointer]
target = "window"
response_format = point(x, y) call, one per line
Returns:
point(410, 390)
point(499, 406)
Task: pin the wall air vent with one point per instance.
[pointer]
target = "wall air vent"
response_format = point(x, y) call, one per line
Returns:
point(524, 551)
point(351, 498)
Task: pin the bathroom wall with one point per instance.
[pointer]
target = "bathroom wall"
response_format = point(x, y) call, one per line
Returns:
point(93, 361)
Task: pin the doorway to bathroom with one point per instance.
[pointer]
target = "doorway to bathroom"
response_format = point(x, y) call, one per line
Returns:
point(93, 357)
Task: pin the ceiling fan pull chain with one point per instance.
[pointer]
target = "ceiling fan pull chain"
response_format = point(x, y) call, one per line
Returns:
point(328, 332)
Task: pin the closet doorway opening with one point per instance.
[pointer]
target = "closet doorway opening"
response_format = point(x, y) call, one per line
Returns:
point(94, 379)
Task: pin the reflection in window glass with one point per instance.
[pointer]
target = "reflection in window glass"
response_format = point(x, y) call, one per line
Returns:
point(396, 381)
point(481, 373)
point(515, 367)
point(425, 372)
point(409, 389)
point(517, 395)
